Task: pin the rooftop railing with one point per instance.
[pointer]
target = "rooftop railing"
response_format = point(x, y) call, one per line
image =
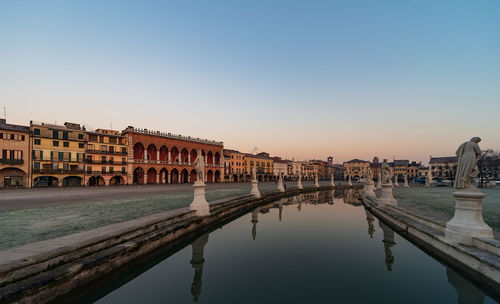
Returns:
point(174, 136)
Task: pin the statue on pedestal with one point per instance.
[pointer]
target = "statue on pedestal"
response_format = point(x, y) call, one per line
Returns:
point(468, 154)
point(254, 174)
point(386, 173)
point(199, 165)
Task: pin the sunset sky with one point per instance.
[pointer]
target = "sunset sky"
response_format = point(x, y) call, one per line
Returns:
point(297, 79)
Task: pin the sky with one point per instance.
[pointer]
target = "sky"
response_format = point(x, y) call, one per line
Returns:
point(297, 79)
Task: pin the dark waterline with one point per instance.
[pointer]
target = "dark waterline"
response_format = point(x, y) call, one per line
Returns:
point(305, 249)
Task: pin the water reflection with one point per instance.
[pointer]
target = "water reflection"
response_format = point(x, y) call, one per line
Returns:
point(255, 220)
point(388, 243)
point(370, 219)
point(323, 223)
point(467, 293)
point(197, 262)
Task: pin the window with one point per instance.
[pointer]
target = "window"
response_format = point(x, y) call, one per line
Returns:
point(124, 170)
point(123, 160)
point(37, 141)
point(66, 144)
point(36, 131)
point(80, 136)
point(111, 170)
point(36, 165)
point(89, 169)
point(61, 156)
point(124, 150)
point(65, 134)
point(22, 137)
point(80, 145)
point(55, 143)
point(12, 136)
point(103, 169)
point(55, 134)
point(1, 135)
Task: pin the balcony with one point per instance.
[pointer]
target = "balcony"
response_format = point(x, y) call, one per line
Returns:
point(7, 161)
point(114, 173)
point(105, 162)
point(57, 171)
point(91, 151)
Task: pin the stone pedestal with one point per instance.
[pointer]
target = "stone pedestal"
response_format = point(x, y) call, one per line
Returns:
point(200, 203)
point(255, 189)
point(316, 183)
point(280, 187)
point(349, 183)
point(299, 184)
point(369, 188)
point(405, 184)
point(386, 195)
point(468, 219)
point(396, 184)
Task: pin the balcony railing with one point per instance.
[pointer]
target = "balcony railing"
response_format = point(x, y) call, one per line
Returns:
point(58, 171)
point(105, 162)
point(114, 173)
point(7, 161)
point(93, 151)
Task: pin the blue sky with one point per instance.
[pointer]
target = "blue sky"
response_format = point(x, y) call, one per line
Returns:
point(303, 79)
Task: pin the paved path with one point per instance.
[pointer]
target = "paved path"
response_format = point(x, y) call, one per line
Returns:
point(41, 197)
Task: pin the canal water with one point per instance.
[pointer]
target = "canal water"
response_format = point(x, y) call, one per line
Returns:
point(321, 247)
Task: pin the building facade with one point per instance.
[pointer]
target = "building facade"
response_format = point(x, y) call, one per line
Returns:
point(263, 164)
point(238, 171)
point(106, 158)
point(400, 168)
point(155, 157)
point(58, 155)
point(355, 168)
point(444, 167)
point(280, 167)
point(15, 155)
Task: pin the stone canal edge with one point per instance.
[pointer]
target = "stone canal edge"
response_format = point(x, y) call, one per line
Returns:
point(480, 262)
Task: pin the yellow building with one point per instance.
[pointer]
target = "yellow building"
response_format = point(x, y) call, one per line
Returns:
point(263, 164)
point(15, 154)
point(58, 154)
point(106, 158)
point(355, 168)
point(237, 165)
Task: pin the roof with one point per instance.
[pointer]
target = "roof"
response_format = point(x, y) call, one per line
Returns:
point(446, 159)
point(401, 162)
point(257, 156)
point(356, 161)
point(233, 151)
point(16, 128)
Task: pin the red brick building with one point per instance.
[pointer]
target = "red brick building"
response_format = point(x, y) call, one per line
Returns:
point(156, 157)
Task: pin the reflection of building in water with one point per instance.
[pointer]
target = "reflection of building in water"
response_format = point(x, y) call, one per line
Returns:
point(311, 198)
point(370, 218)
point(353, 197)
point(255, 220)
point(388, 243)
point(466, 291)
point(197, 263)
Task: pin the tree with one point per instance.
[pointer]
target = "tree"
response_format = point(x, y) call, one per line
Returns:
point(489, 165)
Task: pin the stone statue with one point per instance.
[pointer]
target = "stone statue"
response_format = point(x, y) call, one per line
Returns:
point(254, 173)
point(468, 154)
point(386, 173)
point(369, 176)
point(199, 165)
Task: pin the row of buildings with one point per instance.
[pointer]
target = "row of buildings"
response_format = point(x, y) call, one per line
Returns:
point(238, 167)
point(43, 154)
point(440, 167)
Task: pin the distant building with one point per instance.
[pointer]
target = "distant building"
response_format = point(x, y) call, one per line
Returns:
point(376, 167)
point(155, 157)
point(106, 158)
point(399, 167)
point(263, 164)
point(413, 170)
point(58, 154)
point(15, 157)
point(355, 168)
point(444, 167)
point(237, 166)
point(280, 167)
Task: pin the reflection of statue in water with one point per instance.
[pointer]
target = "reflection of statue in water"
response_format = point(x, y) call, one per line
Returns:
point(197, 263)
point(199, 165)
point(370, 219)
point(467, 293)
point(388, 243)
point(386, 173)
point(255, 215)
point(468, 154)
